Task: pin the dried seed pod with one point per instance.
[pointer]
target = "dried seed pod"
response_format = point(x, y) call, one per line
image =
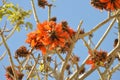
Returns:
point(82, 71)
point(69, 72)
point(21, 52)
point(67, 67)
point(42, 3)
point(49, 58)
point(115, 42)
point(74, 59)
point(9, 70)
point(53, 19)
point(82, 31)
point(9, 74)
point(64, 24)
point(20, 75)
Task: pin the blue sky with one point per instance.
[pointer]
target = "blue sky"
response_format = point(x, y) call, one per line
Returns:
point(72, 11)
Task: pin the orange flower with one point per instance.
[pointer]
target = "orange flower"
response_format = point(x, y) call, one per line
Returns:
point(109, 5)
point(50, 35)
point(97, 58)
point(97, 4)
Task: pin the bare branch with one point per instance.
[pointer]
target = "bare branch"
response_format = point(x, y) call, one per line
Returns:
point(105, 34)
point(98, 26)
point(33, 67)
point(9, 54)
point(34, 12)
point(3, 55)
point(49, 11)
point(10, 34)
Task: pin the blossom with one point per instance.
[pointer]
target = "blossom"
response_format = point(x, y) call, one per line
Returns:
point(50, 35)
point(97, 58)
point(97, 4)
point(109, 5)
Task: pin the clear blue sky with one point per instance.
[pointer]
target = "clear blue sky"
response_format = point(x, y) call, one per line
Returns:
point(72, 11)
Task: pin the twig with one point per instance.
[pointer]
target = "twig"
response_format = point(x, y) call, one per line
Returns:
point(115, 68)
point(27, 58)
point(118, 32)
point(26, 61)
point(49, 11)
point(100, 74)
point(65, 62)
point(34, 12)
point(78, 30)
point(109, 14)
point(98, 26)
point(37, 74)
point(82, 77)
point(3, 55)
point(105, 34)
point(33, 67)
point(10, 34)
point(77, 71)
point(86, 44)
point(20, 65)
point(9, 54)
point(60, 56)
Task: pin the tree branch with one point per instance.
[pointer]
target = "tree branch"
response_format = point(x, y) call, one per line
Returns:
point(3, 55)
point(10, 34)
point(33, 67)
point(105, 34)
point(34, 12)
point(98, 26)
point(9, 54)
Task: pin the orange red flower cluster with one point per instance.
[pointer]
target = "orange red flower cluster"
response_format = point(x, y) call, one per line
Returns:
point(97, 58)
point(50, 35)
point(109, 5)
